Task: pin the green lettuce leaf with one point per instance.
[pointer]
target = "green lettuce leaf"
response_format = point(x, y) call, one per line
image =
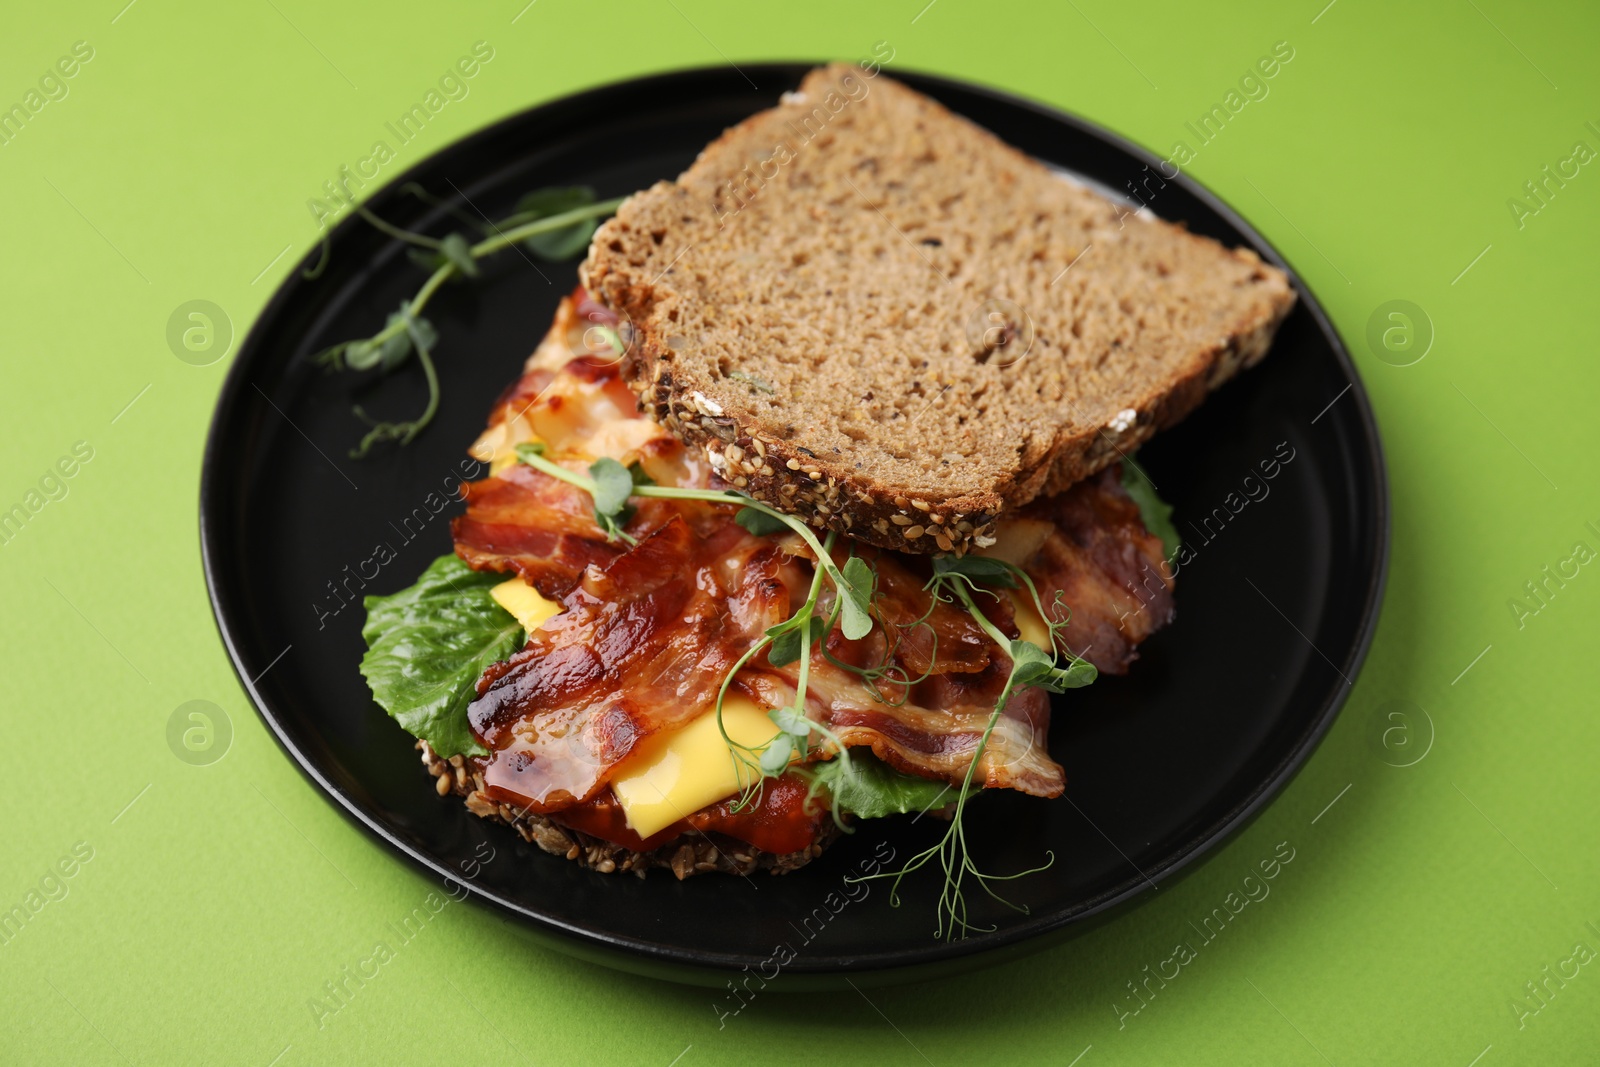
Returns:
point(427, 645)
point(872, 789)
point(1156, 513)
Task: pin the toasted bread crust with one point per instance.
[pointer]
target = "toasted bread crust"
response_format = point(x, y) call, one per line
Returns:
point(659, 287)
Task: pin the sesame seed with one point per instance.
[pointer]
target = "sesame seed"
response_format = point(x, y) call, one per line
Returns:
point(793, 464)
point(913, 532)
point(944, 542)
point(920, 505)
point(899, 520)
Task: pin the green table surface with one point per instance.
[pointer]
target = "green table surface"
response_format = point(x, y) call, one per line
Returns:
point(1445, 912)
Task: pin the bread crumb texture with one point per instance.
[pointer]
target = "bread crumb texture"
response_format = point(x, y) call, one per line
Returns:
point(876, 315)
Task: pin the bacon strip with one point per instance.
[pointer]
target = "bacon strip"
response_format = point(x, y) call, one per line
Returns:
point(1110, 570)
point(642, 646)
point(540, 527)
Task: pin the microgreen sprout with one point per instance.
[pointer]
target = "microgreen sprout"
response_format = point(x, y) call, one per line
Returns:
point(551, 223)
point(958, 579)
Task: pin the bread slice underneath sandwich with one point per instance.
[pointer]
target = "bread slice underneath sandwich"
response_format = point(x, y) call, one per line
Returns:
point(686, 856)
point(874, 314)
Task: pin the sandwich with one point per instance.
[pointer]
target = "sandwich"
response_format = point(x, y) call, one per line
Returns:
point(817, 488)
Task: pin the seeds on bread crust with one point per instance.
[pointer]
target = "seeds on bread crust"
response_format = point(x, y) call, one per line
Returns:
point(700, 855)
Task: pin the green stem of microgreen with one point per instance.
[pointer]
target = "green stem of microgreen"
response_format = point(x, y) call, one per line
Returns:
point(804, 674)
point(824, 559)
point(802, 619)
point(951, 850)
point(556, 470)
point(995, 633)
point(455, 212)
point(551, 222)
point(502, 238)
point(379, 223)
point(432, 376)
point(714, 496)
point(431, 286)
point(751, 793)
point(404, 431)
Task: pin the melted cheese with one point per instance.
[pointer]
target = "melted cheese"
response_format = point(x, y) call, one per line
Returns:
point(1029, 622)
point(1017, 540)
point(523, 601)
point(681, 773)
point(574, 419)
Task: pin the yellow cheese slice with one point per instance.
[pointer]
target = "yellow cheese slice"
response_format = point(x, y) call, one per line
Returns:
point(677, 775)
point(523, 601)
point(1029, 623)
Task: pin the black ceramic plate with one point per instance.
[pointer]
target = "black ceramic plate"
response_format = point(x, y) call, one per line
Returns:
point(1282, 586)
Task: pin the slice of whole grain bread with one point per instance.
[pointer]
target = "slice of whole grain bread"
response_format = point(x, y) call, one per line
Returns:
point(876, 315)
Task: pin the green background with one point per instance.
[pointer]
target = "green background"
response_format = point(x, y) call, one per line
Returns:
point(219, 898)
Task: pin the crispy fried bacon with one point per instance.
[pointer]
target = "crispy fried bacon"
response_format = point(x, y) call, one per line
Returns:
point(1110, 570)
point(642, 646)
point(524, 520)
point(648, 633)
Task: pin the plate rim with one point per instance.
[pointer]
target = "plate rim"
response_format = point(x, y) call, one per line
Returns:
point(706, 968)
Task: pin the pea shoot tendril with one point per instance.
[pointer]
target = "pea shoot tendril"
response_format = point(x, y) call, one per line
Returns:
point(550, 223)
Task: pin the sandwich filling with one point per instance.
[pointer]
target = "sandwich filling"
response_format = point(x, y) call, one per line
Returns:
point(636, 712)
